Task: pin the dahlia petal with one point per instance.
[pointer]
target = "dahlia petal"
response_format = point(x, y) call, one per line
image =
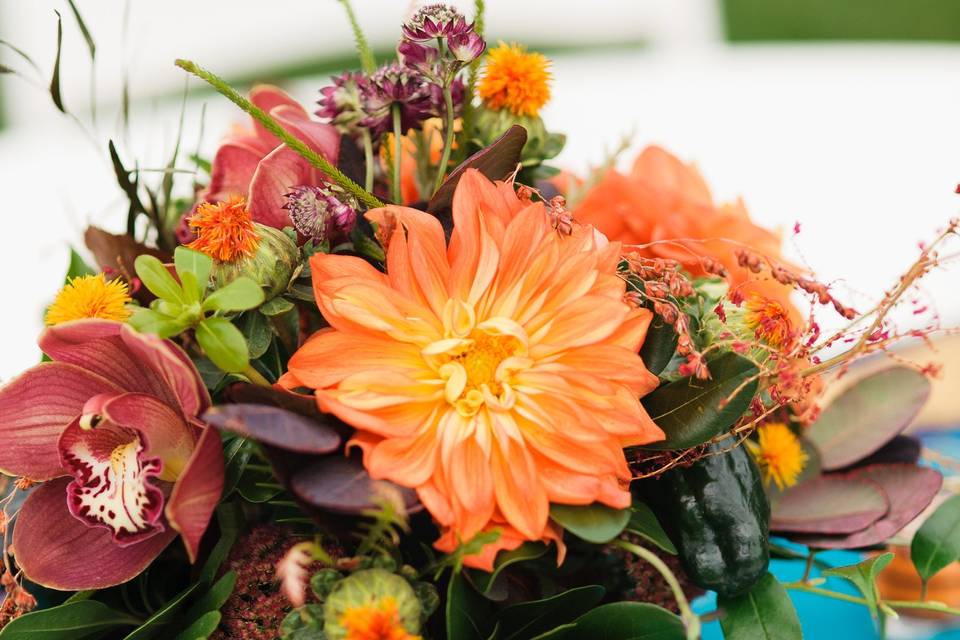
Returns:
point(586, 320)
point(320, 363)
point(521, 497)
point(197, 491)
point(113, 485)
point(37, 406)
point(98, 346)
point(165, 434)
point(468, 475)
point(406, 461)
point(56, 550)
point(658, 166)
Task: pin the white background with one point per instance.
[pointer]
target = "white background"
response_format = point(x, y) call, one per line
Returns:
point(860, 143)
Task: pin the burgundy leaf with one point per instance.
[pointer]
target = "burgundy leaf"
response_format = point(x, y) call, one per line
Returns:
point(343, 485)
point(495, 162)
point(829, 504)
point(909, 490)
point(276, 427)
point(117, 253)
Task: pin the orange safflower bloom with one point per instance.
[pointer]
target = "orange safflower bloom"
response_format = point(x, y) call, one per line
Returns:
point(667, 203)
point(495, 375)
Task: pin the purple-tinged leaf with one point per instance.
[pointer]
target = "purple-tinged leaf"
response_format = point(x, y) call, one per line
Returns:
point(867, 415)
point(909, 490)
point(496, 162)
point(276, 427)
point(244, 393)
point(830, 504)
point(343, 485)
point(902, 449)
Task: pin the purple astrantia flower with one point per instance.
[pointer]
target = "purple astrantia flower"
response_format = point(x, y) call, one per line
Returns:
point(435, 21)
point(457, 92)
point(340, 102)
point(467, 46)
point(322, 213)
point(394, 84)
point(110, 428)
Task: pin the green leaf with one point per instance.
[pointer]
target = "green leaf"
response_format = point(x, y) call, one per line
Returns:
point(213, 599)
point(230, 519)
point(70, 621)
point(199, 264)
point(644, 523)
point(937, 543)
point(527, 551)
point(157, 279)
point(867, 415)
point(210, 374)
point(91, 45)
point(78, 267)
point(201, 628)
point(149, 321)
point(469, 615)
point(55, 79)
point(692, 411)
point(528, 619)
point(596, 523)
point(763, 613)
point(256, 328)
point(863, 576)
point(628, 621)
point(658, 346)
point(224, 344)
point(239, 295)
point(163, 617)
point(276, 306)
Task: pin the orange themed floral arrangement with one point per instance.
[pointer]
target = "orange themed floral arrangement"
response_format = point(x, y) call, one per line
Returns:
point(383, 374)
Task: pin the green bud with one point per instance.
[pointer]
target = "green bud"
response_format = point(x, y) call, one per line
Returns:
point(271, 266)
point(541, 144)
point(369, 589)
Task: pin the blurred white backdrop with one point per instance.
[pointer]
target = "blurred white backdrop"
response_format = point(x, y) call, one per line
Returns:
point(859, 143)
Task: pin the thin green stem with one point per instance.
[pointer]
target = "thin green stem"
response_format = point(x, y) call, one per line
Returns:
point(255, 376)
point(836, 595)
point(808, 566)
point(333, 174)
point(368, 160)
point(367, 62)
point(395, 191)
point(923, 588)
point(690, 620)
point(448, 138)
point(893, 604)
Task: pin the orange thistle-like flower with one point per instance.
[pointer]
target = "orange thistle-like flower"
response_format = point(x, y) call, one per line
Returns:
point(779, 454)
point(496, 376)
point(376, 621)
point(770, 321)
point(225, 230)
point(90, 297)
point(515, 79)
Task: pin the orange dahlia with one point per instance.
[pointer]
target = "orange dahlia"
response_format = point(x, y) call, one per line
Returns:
point(666, 207)
point(495, 375)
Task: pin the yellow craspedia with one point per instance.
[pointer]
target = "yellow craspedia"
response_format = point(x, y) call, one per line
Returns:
point(515, 79)
point(779, 454)
point(90, 297)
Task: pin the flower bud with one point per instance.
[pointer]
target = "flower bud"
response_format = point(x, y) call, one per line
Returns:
point(271, 265)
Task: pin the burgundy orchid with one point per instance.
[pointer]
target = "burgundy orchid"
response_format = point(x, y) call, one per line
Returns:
point(255, 164)
point(110, 426)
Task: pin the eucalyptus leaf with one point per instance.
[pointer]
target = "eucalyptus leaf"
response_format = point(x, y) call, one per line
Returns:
point(157, 279)
point(867, 415)
point(692, 411)
point(70, 621)
point(864, 576)
point(937, 543)
point(659, 345)
point(224, 344)
point(763, 613)
point(596, 523)
point(239, 295)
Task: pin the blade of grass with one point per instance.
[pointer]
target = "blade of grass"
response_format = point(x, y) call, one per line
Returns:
point(55, 79)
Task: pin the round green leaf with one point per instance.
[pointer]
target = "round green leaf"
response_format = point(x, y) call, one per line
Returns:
point(692, 411)
point(596, 523)
point(149, 321)
point(224, 344)
point(157, 279)
point(199, 264)
point(867, 415)
point(763, 613)
point(240, 295)
point(937, 543)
